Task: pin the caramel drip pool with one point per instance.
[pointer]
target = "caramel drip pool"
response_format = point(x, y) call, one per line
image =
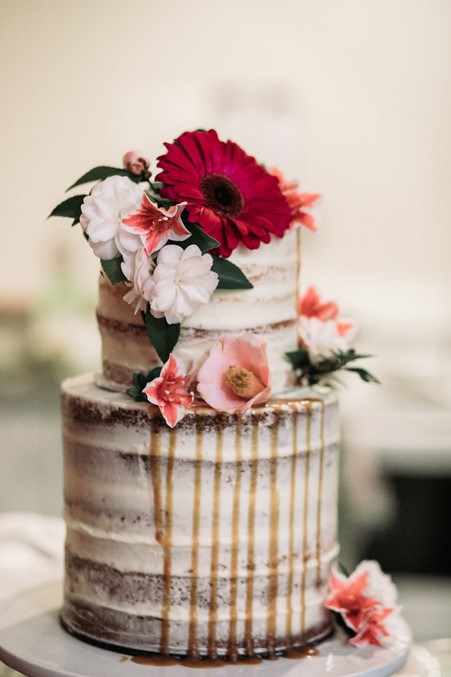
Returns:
point(273, 574)
point(167, 546)
point(213, 608)
point(291, 520)
point(251, 541)
point(192, 637)
point(235, 544)
point(320, 496)
point(308, 410)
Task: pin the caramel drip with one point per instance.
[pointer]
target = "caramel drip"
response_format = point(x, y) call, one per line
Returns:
point(320, 498)
point(306, 501)
point(167, 546)
point(233, 654)
point(155, 475)
point(289, 629)
point(251, 541)
point(273, 574)
point(192, 635)
point(298, 274)
point(213, 608)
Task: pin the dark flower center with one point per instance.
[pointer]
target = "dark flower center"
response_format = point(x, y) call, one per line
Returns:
point(222, 195)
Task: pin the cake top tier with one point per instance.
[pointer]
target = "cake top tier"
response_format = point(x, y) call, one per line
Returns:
point(202, 300)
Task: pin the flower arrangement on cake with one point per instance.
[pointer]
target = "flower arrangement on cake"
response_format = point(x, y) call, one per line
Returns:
point(170, 241)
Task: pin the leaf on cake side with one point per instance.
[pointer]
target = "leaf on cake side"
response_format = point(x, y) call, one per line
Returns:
point(140, 380)
point(298, 358)
point(230, 276)
point(364, 374)
point(162, 335)
point(198, 237)
point(103, 172)
point(325, 370)
point(70, 208)
point(112, 269)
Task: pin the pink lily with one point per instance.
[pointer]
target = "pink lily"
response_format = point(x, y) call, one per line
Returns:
point(169, 391)
point(157, 225)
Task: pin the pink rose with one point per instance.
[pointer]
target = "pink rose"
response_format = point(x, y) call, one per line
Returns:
point(135, 162)
point(235, 375)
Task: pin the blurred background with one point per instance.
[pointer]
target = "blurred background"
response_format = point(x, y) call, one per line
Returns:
point(352, 98)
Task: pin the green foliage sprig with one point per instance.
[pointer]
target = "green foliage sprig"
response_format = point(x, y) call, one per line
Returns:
point(325, 370)
point(140, 380)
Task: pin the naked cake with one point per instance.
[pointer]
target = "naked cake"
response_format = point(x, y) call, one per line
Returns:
point(201, 463)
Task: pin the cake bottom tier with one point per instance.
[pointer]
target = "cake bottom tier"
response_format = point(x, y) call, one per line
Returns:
point(211, 539)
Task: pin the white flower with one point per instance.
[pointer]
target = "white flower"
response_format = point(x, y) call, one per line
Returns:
point(322, 338)
point(143, 282)
point(102, 213)
point(183, 281)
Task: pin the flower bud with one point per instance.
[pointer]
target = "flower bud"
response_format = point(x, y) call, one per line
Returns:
point(135, 162)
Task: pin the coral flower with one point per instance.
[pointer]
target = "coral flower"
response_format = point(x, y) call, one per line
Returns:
point(156, 226)
point(321, 330)
point(364, 600)
point(372, 628)
point(231, 196)
point(310, 305)
point(169, 391)
point(299, 203)
point(235, 375)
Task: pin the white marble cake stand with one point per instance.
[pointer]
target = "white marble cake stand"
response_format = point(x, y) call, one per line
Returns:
point(33, 642)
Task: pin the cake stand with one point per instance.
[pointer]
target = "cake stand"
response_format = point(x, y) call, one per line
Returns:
point(33, 642)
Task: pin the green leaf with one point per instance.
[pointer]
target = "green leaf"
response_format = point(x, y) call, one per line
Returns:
point(162, 335)
point(230, 276)
point(70, 208)
point(299, 358)
point(364, 374)
point(199, 237)
point(112, 269)
point(140, 380)
point(99, 174)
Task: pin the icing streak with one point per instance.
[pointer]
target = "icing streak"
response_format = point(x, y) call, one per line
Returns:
point(289, 630)
point(192, 636)
point(320, 495)
point(167, 546)
point(308, 409)
point(273, 574)
point(213, 609)
point(251, 541)
point(235, 544)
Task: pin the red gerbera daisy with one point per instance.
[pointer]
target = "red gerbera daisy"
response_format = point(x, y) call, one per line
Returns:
point(231, 196)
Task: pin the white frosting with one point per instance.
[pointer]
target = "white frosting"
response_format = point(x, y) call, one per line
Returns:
point(114, 473)
point(269, 309)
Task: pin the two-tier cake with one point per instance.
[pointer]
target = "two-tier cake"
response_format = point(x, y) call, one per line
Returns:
point(200, 466)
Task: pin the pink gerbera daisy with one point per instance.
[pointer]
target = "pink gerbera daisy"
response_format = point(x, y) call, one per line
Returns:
point(231, 196)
